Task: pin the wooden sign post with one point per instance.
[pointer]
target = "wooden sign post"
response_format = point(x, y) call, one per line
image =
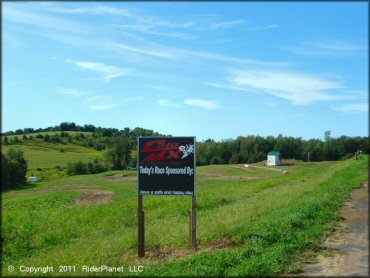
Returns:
point(166, 166)
point(141, 228)
point(193, 222)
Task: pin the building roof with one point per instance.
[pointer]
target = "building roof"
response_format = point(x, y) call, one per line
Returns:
point(273, 153)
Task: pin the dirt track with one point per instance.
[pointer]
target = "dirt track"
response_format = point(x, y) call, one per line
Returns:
point(351, 243)
point(94, 196)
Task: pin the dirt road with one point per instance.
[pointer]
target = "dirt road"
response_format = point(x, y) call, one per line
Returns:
point(350, 245)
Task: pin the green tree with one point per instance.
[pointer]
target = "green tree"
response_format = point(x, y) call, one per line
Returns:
point(118, 156)
point(14, 169)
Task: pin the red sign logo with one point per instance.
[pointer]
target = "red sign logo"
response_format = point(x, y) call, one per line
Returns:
point(160, 150)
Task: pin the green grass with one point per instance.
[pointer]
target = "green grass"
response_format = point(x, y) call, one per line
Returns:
point(264, 223)
point(49, 155)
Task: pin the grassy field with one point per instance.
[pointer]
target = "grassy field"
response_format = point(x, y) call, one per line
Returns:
point(45, 159)
point(49, 155)
point(251, 221)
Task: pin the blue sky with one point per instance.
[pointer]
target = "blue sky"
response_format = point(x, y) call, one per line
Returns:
point(211, 70)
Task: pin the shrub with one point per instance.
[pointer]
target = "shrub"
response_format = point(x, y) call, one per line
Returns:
point(80, 168)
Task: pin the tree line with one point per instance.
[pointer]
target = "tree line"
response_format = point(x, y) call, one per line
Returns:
point(119, 149)
point(252, 148)
point(71, 126)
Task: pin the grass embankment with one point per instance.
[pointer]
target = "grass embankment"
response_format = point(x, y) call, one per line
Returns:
point(260, 224)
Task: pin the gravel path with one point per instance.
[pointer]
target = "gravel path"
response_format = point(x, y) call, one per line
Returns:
point(350, 244)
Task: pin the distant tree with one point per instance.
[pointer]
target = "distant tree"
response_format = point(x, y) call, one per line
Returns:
point(78, 168)
point(98, 146)
point(47, 138)
point(14, 169)
point(89, 128)
point(24, 137)
point(234, 159)
point(118, 156)
point(55, 138)
point(67, 126)
point(16, 139)
point(6, 140)
point(90, 168)
point(28, 130)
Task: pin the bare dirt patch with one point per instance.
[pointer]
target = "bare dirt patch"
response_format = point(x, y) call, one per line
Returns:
point(63, 187)
point(350, 244)
point(165, 253)
point(125, 177)
point(94, 196)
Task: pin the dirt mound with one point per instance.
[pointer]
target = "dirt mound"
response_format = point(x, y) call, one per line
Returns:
point(94, 196)
point(120, 177)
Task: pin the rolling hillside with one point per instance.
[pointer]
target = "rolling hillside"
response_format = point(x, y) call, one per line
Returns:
point(48, 155)
point(43, 155)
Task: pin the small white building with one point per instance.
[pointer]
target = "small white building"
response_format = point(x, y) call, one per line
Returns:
point(33, 179)
point(273, 158)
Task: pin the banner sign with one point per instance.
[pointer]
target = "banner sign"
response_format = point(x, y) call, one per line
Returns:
point(166, 165)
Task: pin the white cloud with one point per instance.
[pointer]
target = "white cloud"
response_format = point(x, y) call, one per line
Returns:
point(24, 16)
point(205, 104)
point(101, 107)
point(108, 72)
point(149, 29)
point(93, 9)
point(300, 89)
point(188, 56)
point(351, 108)
point(225, 24)
point(328, 48)
point(166, 103)
point(271, 26)
point(159, 52)
point(227, 86)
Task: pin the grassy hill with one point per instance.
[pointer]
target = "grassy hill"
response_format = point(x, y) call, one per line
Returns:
point(251, 221)
point(45, 156)
point(52, 155)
